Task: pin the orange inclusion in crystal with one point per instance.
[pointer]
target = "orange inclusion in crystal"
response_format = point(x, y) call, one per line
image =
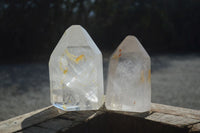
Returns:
point(115, 56)
point(65, 71)
point(120, 52)
point(79, 58)
point(64, 107)
point(149, 75)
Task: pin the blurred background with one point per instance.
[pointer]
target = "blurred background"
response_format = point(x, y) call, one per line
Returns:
point(30, 29)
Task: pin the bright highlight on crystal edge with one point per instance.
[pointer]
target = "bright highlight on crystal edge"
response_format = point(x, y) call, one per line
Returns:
point(129, 78)
point(76, 72)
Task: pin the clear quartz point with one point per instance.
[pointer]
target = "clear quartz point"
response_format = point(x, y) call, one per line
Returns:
point(129, 78)
point(76, 72)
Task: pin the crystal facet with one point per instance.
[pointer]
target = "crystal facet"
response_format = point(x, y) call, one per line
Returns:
point(76, 72)
point(129, 78)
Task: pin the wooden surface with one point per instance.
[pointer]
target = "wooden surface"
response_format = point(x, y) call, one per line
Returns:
point(161, 118)
point(32, 118)
point(188, 113)
point(179, 121)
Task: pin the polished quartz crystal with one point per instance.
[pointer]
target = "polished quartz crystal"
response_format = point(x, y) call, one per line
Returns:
point(76, 72)
point(129, 78)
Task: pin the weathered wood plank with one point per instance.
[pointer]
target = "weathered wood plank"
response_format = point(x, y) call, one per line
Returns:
point(195, 128)
point(56, 124)
point(64, 122)
point(95, 123)
point(190, 113)
point(79, 119)
point(78, 115)
point(17, 123)
point(51, 117)
point(142, 115)
point(36, 129)
point(174, 120)
point(125, 123)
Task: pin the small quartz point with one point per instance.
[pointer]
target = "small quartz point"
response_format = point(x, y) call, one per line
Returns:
point(76, 72)
point(129, 78)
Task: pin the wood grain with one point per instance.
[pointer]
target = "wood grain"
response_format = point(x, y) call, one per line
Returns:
point(189, 113)
point(174, 120)
point(195, 128)
point(18, 123)
point(51, 119)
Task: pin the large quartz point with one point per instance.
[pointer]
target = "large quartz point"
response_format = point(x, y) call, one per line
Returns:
point(129, 78)
point(76, 72)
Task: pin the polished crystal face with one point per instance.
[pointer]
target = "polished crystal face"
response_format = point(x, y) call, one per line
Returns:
point(129, 78)
point(76, 72)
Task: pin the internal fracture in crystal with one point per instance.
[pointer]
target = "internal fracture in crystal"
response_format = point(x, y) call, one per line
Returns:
point(129, 78)
point(76, 72)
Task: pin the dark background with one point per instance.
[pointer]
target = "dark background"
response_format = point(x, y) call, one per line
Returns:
point(30, 29)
